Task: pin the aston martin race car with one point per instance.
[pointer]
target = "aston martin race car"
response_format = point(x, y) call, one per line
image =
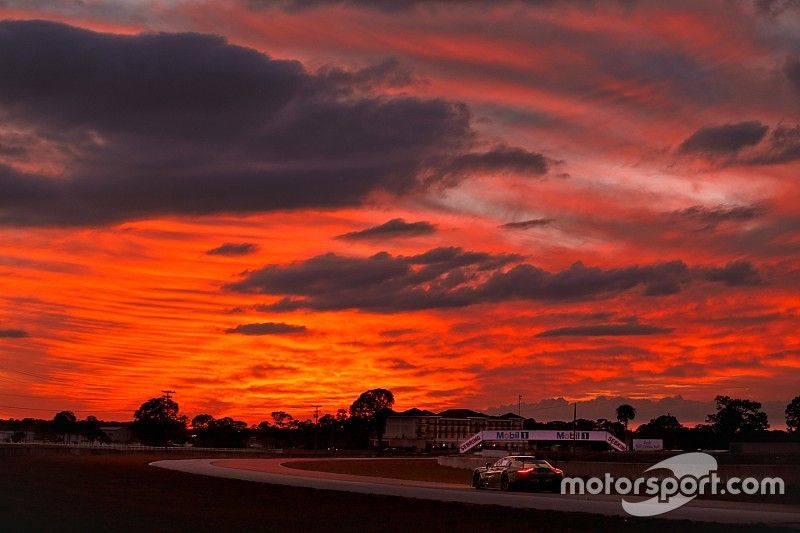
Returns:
point(516, 472)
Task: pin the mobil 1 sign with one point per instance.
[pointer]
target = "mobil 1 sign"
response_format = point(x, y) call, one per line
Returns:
point(569, 435)
point(544, 435)
point(540, 435)
point(507, 435)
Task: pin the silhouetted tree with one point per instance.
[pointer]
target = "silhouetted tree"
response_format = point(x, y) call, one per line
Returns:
point(700, 437)
point(372, 408)
point(223, 433)
point(90, 429)
point(603, 424)
point(626, 413)
point(370, 402)
point(65, 424)
point(663, 424)
point(793, 415)
point(332, 427)
point(664, 427)
point(736, 417)
point(283, 419)
point(202, 421)
point(265, 434)
point(157, 422)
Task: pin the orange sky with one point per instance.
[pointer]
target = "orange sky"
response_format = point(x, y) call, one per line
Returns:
point(636, 136)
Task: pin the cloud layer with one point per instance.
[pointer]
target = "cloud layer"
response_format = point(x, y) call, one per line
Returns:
point(724, 139)
point(13, 333)
point(233, 249)
point(604, 330)
point(452, 277)
point(266, 328)
point(161, 123)
point(397, 227)
point(547, 135)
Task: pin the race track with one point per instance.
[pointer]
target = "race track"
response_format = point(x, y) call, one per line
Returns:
point(274, 472)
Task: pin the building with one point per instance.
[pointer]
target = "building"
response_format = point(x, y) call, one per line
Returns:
point(117, 434)
point(424, 430)
point(17, 436)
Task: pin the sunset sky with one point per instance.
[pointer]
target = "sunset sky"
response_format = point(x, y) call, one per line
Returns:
point(273, 205)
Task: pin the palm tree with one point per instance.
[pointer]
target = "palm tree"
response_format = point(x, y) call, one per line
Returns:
point(626, 413)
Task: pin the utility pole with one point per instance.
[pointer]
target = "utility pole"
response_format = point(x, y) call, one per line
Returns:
point(316, 424)
point(574, 426)
point(519, 412)
point(168, 394)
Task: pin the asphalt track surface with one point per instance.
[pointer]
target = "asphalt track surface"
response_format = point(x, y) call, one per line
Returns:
point(275, 471)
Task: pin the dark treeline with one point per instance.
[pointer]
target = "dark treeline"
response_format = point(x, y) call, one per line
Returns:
point(735, 420)
point(349, 428)
point(159, 422)
point(64, 427)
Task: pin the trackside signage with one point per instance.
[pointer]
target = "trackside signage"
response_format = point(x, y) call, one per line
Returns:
point(615, 443)
point(506, 435)
point(544, 435)
point(648, 444)
point(470, 443)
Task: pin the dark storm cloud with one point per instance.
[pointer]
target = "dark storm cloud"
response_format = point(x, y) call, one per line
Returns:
point(711, 217)
point(604, 330)
point(782, 146)
point(13, 333)
point(500, 159)
point(299, 5)
point(724, 139)
point(162, 123)
point(397, 364)
point(581, 282)
point(380, 282)
point(388, 73)
point(11, 150)
point(266, 328)
point(451, 277)
point(792, 71)
point(397, 227)
point(735, 273)
point(527, 224)
point(774, 8)
point(233, 249)
point(392, 6)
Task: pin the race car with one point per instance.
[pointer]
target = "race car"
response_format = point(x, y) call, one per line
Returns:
point(518, 471)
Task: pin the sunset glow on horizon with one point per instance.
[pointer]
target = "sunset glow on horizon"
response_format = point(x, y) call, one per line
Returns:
point(269, 206)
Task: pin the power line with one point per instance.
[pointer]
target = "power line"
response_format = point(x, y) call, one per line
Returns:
point(26, 408)
point(549, 407)
point(56, 409)
point(66, 399)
